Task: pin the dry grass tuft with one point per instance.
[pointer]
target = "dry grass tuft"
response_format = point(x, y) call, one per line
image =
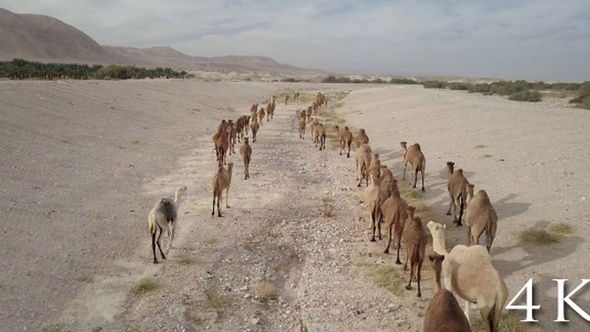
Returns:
point(508, 323)
point(561, 228)
point(215, 300)
point(145, 285)
point(537, 236)
point(85, 279)
point(266, 291)
point(186, 260)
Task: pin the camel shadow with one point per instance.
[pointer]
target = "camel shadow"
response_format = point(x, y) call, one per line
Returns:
point(508, 209)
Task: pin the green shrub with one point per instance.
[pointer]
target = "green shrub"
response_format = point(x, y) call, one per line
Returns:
point(434, 85)
point(527, 95)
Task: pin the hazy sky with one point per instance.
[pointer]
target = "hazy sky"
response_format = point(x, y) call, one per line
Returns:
point(534, 40)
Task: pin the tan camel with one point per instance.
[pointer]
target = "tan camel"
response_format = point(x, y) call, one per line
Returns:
point(374, 196)
point(443, 313)
point(395, 213)
point(345, 137)
point(221, 181)
point(414, 156)
point(361, 138)
point(286, 99)
point(255, 126)
point(480, 216)
point(321, 132)
point(246, 153)
point(457, 187)
point(416, 248)
point(261, 115)
point(363, 160)
point(468, 272)
point(302, 127)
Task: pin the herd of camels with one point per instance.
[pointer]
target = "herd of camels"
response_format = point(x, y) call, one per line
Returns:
point(467, 271)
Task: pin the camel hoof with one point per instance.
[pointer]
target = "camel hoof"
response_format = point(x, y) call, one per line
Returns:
point(420, 295)
point(408, 287)
point(156, 261)
point(373, 240)
point(386, 251)
point(459, 224)
point(423, 190)
point(398, 262)
point(448, 213)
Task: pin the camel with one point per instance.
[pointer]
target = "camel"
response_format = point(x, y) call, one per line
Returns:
point(468, 272)
point(261, 115)
point(363, 160)
point(375, 165)
point(394, 212)
point(416, 248)
point(374, 196)
point(386, 177)
point(457, 187)
point(221, 147)
point(286, 99)
point(345, 137)
point(164, 216)
point(246, 153)
point(480, 216)
point(361, 138)
point(296, 96)
point(321, 132)
point(254, 126)
point(302, 127)
point(443, 313)
point(222, 181)
point(414, 156)
point(231, 137)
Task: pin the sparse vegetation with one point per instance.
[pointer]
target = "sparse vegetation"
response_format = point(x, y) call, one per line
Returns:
point(51, 328)
point(518, 90)
point(480, 146)
point(391, 279)
point(86, 279)
point(215, 300)
point(561, 229)
point(266, 291)
point(145, 285)
point(538, 236)
point(508, 323)
point(211, 241)
point(186, 260)
point(527, 95)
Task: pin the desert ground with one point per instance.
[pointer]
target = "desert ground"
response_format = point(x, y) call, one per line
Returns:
point(84, 161)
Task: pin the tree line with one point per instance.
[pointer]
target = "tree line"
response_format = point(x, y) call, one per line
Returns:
point(19, 69)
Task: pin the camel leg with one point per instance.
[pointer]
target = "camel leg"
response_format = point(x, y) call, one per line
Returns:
point(218, 208)
point(415, 177)
point(418, 268)
point(409, 285)
point(158, 242)
point(399, 245)
point(467, 310)
point(227, 197)
point(461, 210)
point(422, 172)
point(373, 226)
point(213, 211)
point(171, 229)
point(386, 251)
point(404, 173)
point(451, 205)
point(154, 248)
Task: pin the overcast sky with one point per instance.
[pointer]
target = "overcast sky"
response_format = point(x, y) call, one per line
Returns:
point(535, 40)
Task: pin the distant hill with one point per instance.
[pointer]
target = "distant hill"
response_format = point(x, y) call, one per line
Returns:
point(47, 39)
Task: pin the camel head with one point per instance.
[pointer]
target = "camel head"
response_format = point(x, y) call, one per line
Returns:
point(411, 210)
point(404, 145)
point(450, 166)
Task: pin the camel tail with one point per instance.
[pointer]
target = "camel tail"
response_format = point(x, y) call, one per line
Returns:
point(496, 312)
point(152, 228)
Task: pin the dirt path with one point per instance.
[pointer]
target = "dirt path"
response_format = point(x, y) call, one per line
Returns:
point(275, 261)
